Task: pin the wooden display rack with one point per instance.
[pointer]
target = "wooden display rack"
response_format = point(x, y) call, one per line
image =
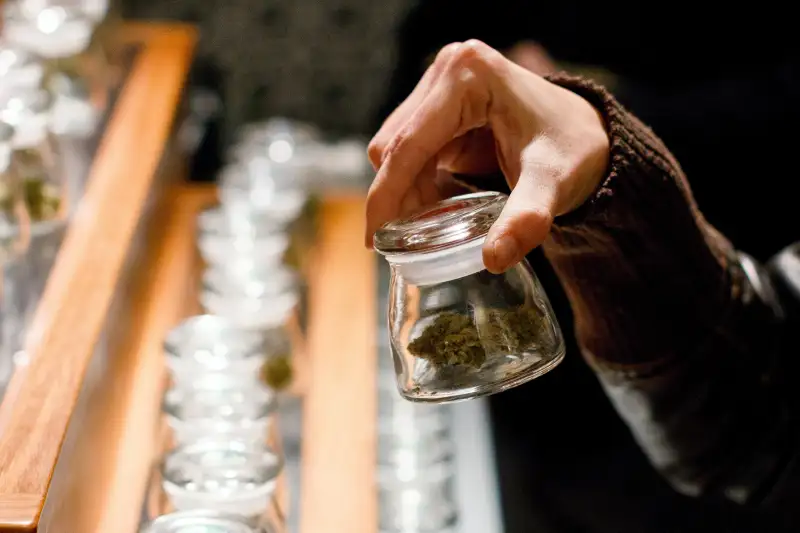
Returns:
point(79, 425)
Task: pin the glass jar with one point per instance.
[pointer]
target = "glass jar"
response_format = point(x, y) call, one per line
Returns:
point(266, 302)
point(198, 522)
point(213, 347)
point(36, 159)
point(211, 410)
point(264, 187)
point(226, 236)
point(14, 238)
point(20, 71)
point(231, 477)
point(458, 331)
point(417, 500)
point(62, 35)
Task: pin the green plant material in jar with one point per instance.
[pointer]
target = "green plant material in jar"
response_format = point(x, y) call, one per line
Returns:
point(277, 372)
point(455, 339)
point(41, 198)
point(6, 202)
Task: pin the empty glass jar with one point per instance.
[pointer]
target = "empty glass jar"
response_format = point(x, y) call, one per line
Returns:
point(19, 71)
point(62, 35)
point(212, 348)
point(421, 501)
point(14, 238)
point(213, 410)
point(238, 239)
point(198, 522)
point(458, 331)
point(230, 477)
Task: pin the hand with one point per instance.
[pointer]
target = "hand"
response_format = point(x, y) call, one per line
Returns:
point(475, 112)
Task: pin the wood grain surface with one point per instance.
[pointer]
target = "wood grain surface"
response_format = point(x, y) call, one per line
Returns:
point(123, 432)
point(339, 417)
point(36, 410)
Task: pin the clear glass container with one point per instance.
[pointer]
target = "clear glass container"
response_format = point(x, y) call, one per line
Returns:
point(457, 331)
point(226, 236)
point(62, 34)
point(413, 500)
point(199, 522)
point(211, 409)
point(298, 135)
point(213, 347)
point(20, 70)
point(275, 191)
point(36, 159)
point(257, 300)
point(231, 477)
point(267, 302)
point(14, 240)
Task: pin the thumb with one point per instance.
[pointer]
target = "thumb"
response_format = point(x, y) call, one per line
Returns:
point(522, 226)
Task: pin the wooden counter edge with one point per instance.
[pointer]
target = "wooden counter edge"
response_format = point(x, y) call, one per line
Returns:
point(36, 410)
point(339, 414)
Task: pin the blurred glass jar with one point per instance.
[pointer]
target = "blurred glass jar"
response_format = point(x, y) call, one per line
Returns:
point(417, 500)
point(458, 331)
point(231, 477)
point(62, 36)
point(258, 300)
point(198, 522)
point(244, 237)
point(14, 240)
point(37, 161)
point(279, 145)
point(210, 409)
point(14, 219)
point(213, 347)
point(267, 302)
point(20, 71)
point(269, 189)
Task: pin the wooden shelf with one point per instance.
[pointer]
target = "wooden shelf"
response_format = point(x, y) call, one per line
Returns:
point(80, 424)
point(46, 404)
point(119, 440)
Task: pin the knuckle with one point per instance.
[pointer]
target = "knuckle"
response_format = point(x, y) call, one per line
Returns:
point(475, 53)
point(375, 151)
point(447, 52)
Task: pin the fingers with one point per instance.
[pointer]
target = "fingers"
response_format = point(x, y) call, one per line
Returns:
point(400, 116)
point(522, 226)
point(455, 104)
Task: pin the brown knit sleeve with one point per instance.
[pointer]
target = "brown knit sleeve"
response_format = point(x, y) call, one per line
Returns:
point(680, 338)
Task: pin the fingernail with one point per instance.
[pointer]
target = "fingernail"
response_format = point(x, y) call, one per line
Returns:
point(505, 251)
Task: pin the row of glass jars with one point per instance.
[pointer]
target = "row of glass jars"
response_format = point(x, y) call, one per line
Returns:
point(34, 207)
point(70, 47)
point(416, 467)
point(46, 117)
point(231, 365)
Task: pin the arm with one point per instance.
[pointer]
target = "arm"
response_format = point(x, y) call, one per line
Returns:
point(683, 343)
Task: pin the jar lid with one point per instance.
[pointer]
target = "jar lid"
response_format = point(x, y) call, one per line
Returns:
point(447, 224)
point(258, 283)
point(29, 113)
point(18, 67)
point(50, 31)
point(212, 342)
point(229, 476)
point(219, 403)
point(198, 522)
